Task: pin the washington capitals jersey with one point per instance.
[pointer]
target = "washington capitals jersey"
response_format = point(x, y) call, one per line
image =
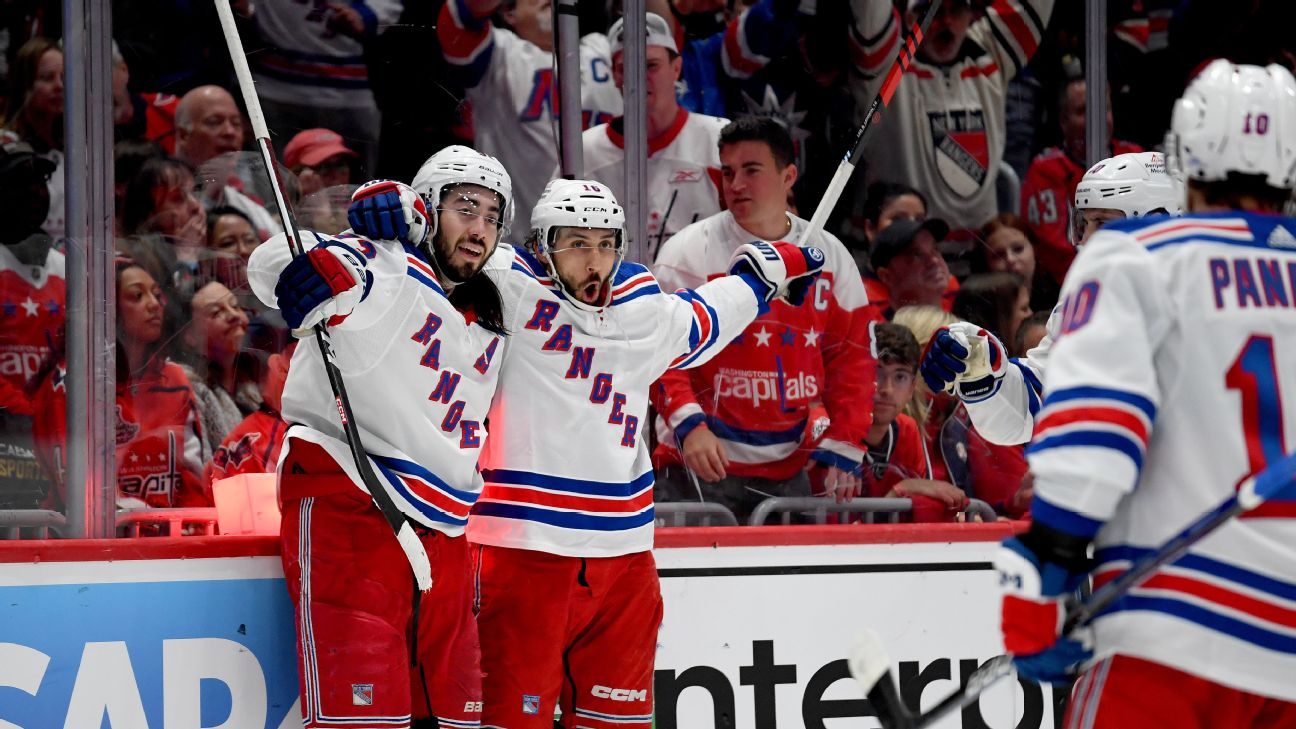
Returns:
point(756, 395)
point(419, 374)
point(567, 468)
point(513, 87)
point(944, 129)
point(31, 318)
point(1166, 389)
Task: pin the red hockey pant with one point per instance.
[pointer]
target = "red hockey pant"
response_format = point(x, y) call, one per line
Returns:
point(570, 631)
point(1122, 692)
point(353, 596)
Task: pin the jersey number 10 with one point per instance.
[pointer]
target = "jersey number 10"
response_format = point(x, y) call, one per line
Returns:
point(1254, 374)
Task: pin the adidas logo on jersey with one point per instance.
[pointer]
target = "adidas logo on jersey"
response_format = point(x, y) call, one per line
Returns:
point(1281, 238)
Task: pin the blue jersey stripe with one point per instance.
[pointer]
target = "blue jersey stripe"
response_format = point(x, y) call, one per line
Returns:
point(1063, 519)
point(1102, 393)
point(1228, 625)
point(733, 433)
point(413, 469)
point(1208, 566)
point(424, 508)
point(564, 519)
point(1118, 442)
point(569, 485)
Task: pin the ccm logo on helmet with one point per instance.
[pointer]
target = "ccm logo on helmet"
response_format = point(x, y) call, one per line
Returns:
point(617, 694)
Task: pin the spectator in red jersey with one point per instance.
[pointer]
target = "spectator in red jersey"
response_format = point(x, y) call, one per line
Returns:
point(908, 267)
point(36, 99)
point(209, 353)
point(159, 446)
point(997, 302)
point(1051, 181)
point(897, 463)
point(253, 445)
point(1006, 244)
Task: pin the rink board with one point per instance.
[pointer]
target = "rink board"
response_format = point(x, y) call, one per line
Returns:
point(182, 634)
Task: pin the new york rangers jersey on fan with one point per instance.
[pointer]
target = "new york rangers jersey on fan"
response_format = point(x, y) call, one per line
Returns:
point(683, 172)
point(1165, 391)
point(755, 396)
point(567, 467)
point(513, 87)
point(420, 407)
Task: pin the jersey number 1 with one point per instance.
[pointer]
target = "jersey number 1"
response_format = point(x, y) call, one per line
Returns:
point(1254, 374)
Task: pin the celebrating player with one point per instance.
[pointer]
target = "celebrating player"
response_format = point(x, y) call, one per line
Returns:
point(1165, 391)
point(1003, 395)
point(569, 603)
point(414, 329)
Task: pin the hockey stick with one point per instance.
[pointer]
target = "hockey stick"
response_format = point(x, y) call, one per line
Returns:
point(409, 541)
point(904, 56)
point(870, 664)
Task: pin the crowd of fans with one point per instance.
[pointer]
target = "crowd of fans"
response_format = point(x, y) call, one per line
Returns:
point(937, 227)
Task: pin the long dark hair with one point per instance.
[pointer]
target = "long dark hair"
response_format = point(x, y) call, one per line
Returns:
point(139, 203)
point(989, 300)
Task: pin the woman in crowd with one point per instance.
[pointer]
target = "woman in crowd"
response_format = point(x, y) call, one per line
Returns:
point(209, 348)
point(997, 302)
point(160, 450)
point(36, 102)
point(1006, 244)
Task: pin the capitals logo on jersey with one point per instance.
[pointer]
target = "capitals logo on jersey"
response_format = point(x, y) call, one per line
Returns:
point(961, 147)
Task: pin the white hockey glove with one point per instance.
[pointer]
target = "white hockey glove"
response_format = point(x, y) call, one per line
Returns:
point(777, 270)
point(324, 284)
point(965, 358)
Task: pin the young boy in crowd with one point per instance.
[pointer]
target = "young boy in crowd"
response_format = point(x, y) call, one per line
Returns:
point(897, 463)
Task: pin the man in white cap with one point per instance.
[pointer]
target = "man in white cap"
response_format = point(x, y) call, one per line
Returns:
point(683, 177)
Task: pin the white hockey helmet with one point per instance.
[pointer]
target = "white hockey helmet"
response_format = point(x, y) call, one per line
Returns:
point(575, 204)
point(1236, 119)
point(457, 165)
point(1136, 184)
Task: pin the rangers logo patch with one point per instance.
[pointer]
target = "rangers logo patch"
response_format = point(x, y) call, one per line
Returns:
point(961, 148)
point(362, 694)
point(530, 704)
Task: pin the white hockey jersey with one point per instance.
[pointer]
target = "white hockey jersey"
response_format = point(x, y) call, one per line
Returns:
point(419, 374)
point(944, 131)
point(567, 468)
point(513, 87)
point(1164, 392)
point(683, 177)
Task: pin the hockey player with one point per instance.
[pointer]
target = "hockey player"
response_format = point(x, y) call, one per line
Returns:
point(740, 423)
point(1003, 395)
point(683, 168)
point(1175, 334)
point(567, 512)
point(415, 330)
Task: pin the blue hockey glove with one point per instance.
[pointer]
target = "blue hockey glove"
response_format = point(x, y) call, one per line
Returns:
point(1033, 612)
point(389, 210)
point(324, 284)
point(965, 355)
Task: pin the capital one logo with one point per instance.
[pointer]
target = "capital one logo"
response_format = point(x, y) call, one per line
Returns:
point(619, 694)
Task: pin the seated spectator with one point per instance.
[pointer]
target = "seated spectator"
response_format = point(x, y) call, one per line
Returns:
point(908, 267)
point(324, 166)
point(230, 242)
point(885, 203)
point(1005, 244)
point(128, 157)
point(253, 445)
point(36, 102)
point(166, 221)
point(1051, 181)
point(208, 350)
point(997, 302)
point(209, 137)
point(897, 463)
point(160, 449)
point(959, 455)
point(141, 117)
point(1031, 331)
point(32, 295)
point(683, 167)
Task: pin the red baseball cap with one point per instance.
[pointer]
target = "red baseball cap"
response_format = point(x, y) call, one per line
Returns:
point(313, 146)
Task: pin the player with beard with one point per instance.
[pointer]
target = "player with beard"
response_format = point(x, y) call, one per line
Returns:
point(415, 330)
point(567, 511)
